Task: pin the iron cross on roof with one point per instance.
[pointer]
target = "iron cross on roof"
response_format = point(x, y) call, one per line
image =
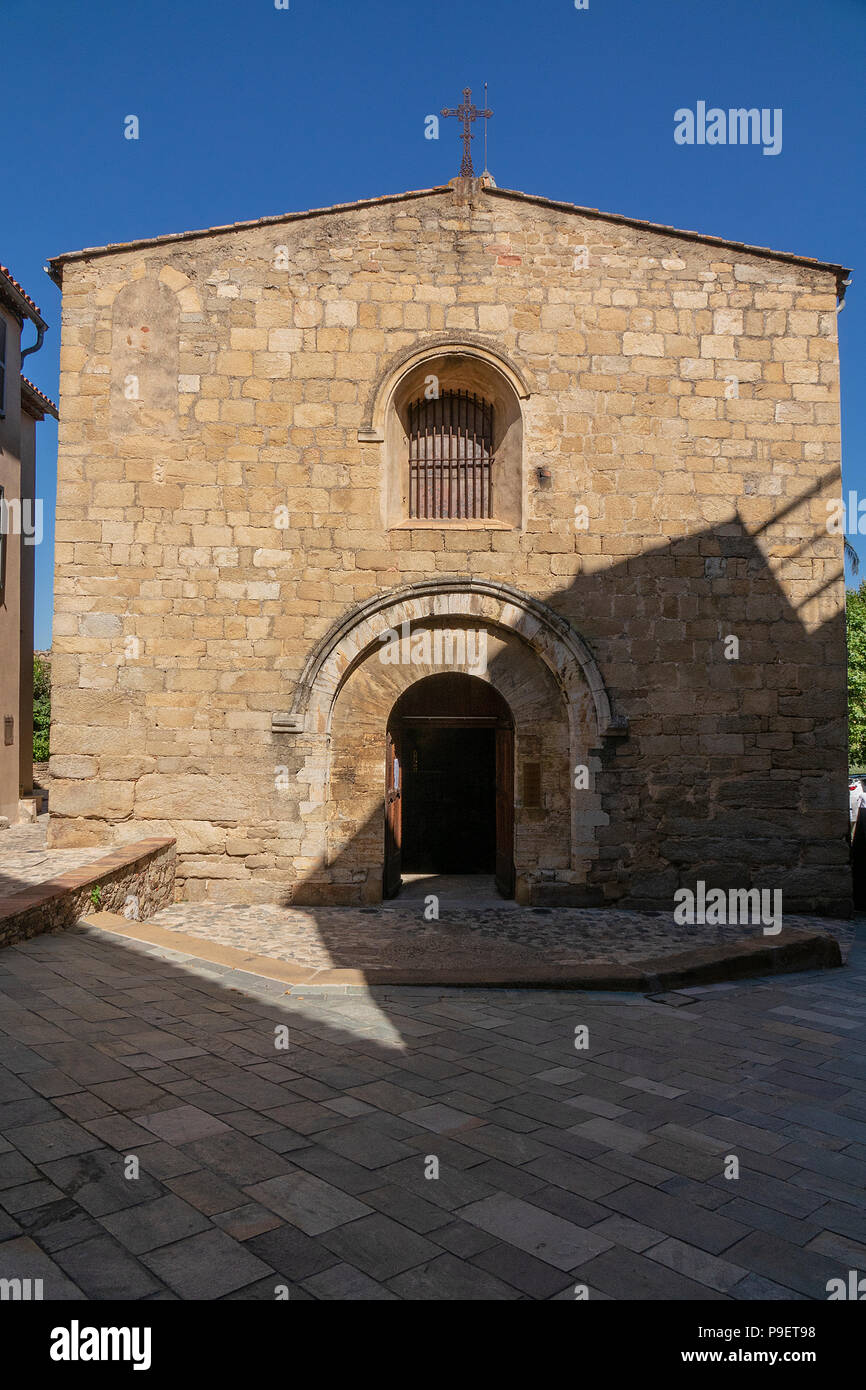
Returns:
point(467, 113)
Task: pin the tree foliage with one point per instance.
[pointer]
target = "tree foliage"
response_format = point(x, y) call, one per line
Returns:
point(855, 611)
point(41, 708)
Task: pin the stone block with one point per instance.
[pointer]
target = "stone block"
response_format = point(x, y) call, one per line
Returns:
point(72, 766)
point(218, 797)
point(103, 800)
point(125, 769)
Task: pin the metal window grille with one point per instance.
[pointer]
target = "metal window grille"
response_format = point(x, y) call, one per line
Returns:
point(450, 457)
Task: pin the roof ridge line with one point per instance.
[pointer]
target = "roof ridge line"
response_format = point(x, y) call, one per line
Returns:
point(683, 232)
point(842, 273)
point(55, 263)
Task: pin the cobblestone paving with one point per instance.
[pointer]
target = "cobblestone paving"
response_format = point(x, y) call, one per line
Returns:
point(262, 1167)
point(25, 860)
point(357, 938)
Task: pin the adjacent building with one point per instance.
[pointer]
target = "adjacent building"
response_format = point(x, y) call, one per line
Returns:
point(21, 406)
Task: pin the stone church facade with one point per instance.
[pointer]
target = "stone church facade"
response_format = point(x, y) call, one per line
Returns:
point(462, 485)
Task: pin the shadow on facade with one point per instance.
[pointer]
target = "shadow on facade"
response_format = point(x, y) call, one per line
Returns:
point(734, 770)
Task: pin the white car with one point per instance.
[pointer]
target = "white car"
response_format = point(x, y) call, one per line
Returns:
point(856, 797)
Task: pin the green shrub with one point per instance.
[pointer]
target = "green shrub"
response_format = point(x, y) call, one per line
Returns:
point(856, 616)
point(41, 708)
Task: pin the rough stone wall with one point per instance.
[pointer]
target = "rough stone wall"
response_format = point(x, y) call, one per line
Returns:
point(144, 872)
point(685, 394)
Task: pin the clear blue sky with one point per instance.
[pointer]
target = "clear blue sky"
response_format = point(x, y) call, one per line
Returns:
point(247, 110)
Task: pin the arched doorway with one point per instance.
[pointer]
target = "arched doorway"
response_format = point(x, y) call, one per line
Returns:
point(449, 782)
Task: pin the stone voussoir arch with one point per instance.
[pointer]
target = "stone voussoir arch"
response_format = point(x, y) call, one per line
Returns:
point(443, 344)
point(499, 606)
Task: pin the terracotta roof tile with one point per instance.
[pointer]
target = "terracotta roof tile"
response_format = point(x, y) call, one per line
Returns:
point(56, 263)
point(23, 293)
point(41, 398)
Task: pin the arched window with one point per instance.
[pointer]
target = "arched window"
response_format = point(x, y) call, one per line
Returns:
point(451, 422)
point(450, 457)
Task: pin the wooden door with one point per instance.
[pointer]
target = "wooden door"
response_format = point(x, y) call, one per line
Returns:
point(393, 814)
point(505, 812)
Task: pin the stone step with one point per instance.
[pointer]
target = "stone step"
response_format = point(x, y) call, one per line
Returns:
point(791, 950)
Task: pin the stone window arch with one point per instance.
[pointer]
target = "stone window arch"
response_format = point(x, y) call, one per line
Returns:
point(431, 391)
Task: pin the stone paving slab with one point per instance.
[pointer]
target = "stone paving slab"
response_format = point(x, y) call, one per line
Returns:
point(422, 1143)
point(25, 860)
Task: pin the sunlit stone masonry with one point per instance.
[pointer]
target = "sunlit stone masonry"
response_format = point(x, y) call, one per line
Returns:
point(456, 532)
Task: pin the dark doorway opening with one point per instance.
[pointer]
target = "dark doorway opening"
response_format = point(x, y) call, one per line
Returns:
point(449, 796)
point(449, 801)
